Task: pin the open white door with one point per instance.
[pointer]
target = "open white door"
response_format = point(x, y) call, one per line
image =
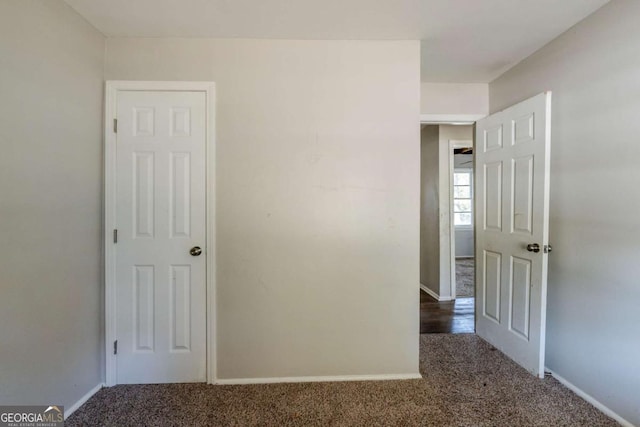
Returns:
point(512, 229)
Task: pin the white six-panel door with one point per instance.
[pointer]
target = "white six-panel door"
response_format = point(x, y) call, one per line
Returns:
point(512, 205)
point(160, 285)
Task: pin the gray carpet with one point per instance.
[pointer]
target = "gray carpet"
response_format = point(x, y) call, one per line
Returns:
point(464, 277)
point(465, 383)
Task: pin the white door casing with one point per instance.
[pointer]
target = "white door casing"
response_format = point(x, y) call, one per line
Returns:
point(512, 211)
point(158, 293)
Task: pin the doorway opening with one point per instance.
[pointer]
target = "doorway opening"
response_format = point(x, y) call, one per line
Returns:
point(510, 212)
point(447, 276)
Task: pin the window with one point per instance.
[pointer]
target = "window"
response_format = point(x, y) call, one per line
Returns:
point(462, 199)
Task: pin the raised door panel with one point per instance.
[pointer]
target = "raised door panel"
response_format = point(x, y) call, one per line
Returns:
point(522, 195)
point(143, 308)
point(492, 263)
point(180, 194)
point(523, 129)
point(492, 191)
point(143, 121)
point(180, 308)
point(520, 289)
point(143, 190)
point(492, 139)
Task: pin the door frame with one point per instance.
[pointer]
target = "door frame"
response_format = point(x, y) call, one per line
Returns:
point(112, 87)
point(453, 144)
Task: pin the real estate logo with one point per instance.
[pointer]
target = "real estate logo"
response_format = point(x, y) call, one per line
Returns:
point(32, 416)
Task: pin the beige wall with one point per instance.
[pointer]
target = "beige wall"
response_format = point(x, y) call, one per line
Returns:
point(51, 67)
point(317, 198)
point(457, 133)
point(429, 208)
point(593, 318)
point(454, 98)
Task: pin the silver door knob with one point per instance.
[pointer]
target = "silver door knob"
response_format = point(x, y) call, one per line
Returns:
point(195, 251)
point(533, 247)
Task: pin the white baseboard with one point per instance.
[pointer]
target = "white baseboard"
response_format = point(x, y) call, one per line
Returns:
point(70, 410)
point(604, 409)
point(434, 295)
point(429, 291)
point(383, 377)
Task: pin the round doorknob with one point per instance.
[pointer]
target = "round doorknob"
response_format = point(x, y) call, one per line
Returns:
point(533, 247)
point(195, 251)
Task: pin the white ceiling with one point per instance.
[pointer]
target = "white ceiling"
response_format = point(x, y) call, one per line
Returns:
point(463, 41)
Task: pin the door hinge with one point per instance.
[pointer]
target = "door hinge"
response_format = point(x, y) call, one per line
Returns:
point(115, 347)
point(115, 236)
point(115, 125)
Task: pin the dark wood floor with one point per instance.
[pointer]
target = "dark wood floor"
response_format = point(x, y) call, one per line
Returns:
point(450, 317)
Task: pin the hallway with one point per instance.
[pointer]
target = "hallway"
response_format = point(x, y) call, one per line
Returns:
point(465, 278)
point(446, 317)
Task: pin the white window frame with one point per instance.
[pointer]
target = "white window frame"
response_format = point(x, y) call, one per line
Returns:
point(453, 199)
